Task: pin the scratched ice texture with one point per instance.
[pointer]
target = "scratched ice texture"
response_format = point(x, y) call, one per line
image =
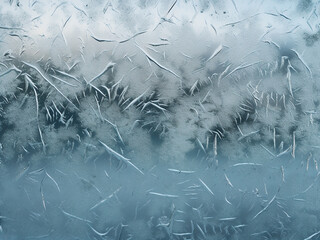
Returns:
point(151, 119)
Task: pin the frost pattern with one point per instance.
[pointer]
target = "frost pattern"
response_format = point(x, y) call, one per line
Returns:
point(168, 119)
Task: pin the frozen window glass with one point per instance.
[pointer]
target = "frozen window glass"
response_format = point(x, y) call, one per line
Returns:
point(150, 119)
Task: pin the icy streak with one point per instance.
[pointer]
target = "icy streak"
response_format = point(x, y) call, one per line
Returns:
point(119, 156)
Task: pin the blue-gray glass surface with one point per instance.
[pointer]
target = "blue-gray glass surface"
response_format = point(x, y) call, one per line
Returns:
point(151, 119)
